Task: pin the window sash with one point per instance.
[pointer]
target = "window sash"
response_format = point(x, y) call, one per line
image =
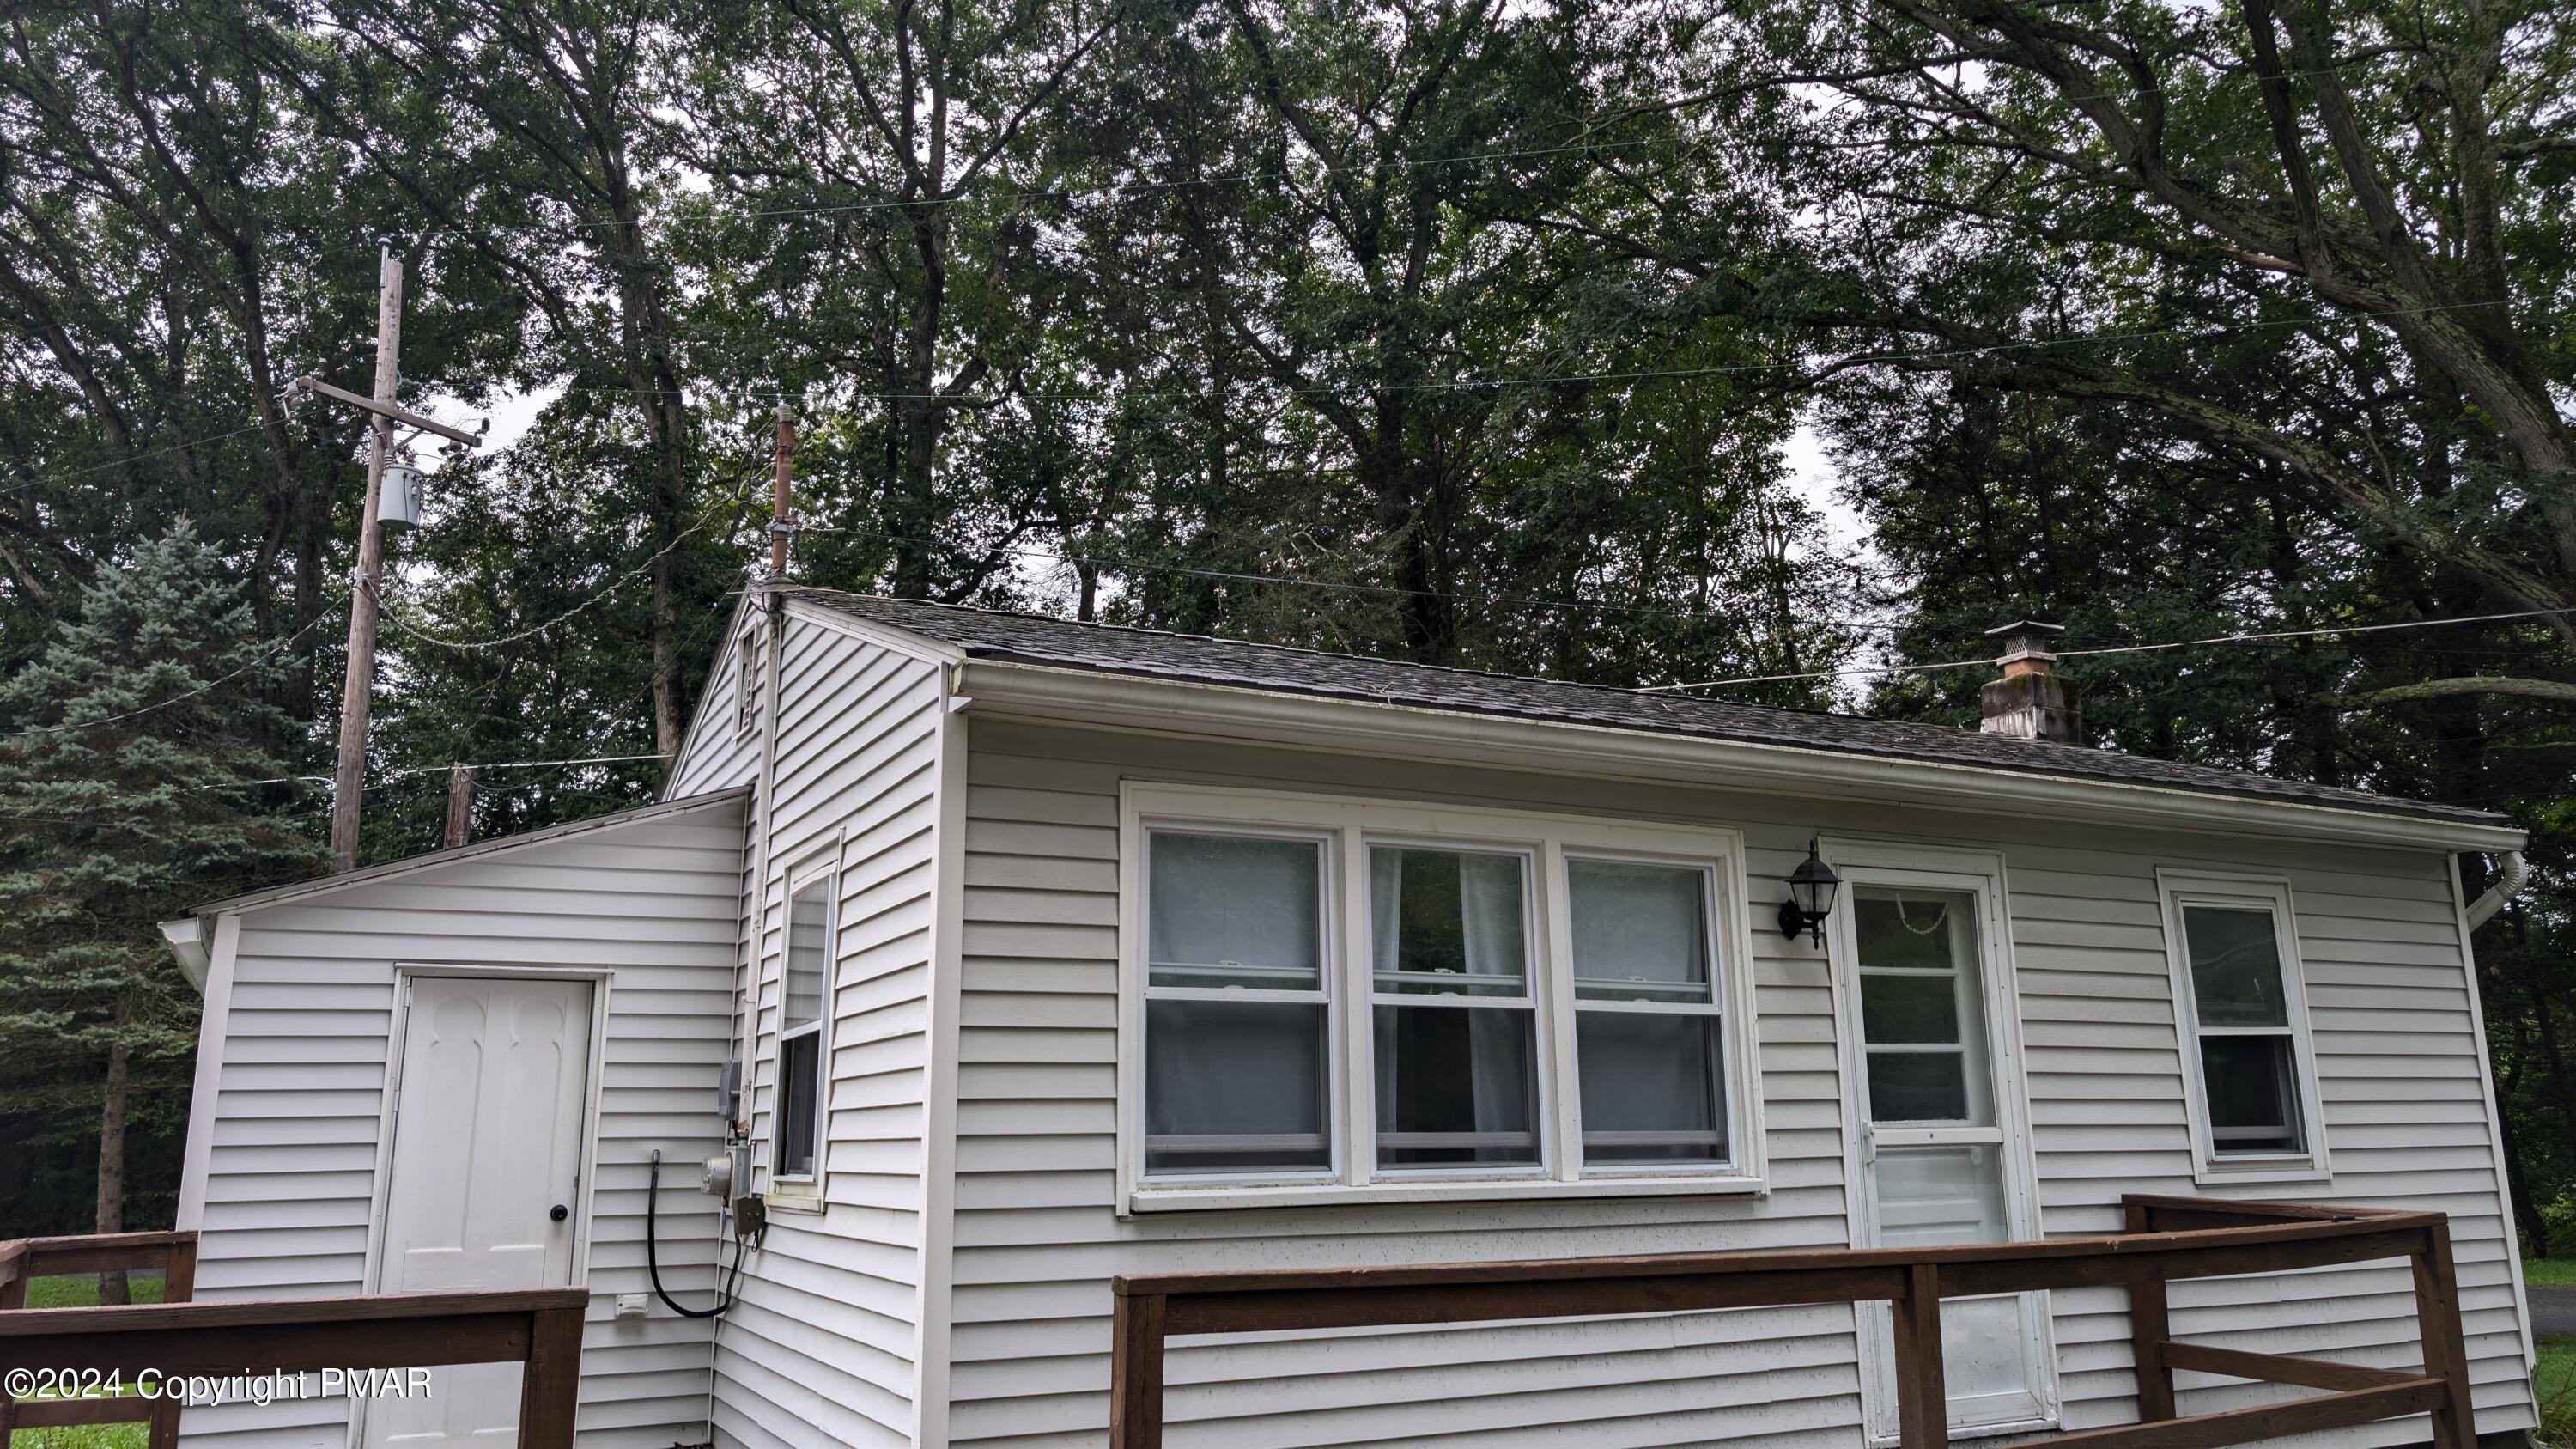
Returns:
point(2238, 1147)
point(1159, 1149)
point(797, 1156)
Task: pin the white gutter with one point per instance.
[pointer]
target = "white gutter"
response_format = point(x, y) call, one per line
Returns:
point(187, 938)
point(2511, 876)
point(1055, 695)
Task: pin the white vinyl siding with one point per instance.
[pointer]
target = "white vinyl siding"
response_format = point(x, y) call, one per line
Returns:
point(1038, 1195)
point(291, 1174)
point(715, 755)
point(823, 1345)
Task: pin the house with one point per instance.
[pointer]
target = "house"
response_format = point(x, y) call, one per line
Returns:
point(1054, 951)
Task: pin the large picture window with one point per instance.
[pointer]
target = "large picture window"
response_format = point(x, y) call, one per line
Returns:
point(2240, 1001)
point(1338, 998)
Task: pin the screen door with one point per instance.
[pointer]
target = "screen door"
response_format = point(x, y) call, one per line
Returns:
point(1933, 1146)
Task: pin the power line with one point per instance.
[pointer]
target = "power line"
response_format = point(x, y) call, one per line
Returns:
point(408, 770)
point(2243, 638)
point(602, 592)
point(1114, 189)
point(247, 666)
point(1114, 561)
point(1471, 384)
point(1452, 385)
point(131, 459)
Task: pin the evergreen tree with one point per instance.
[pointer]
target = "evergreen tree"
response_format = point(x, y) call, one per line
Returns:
point(133, 779)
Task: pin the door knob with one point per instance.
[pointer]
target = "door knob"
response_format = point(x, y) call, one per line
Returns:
point(559, 1212)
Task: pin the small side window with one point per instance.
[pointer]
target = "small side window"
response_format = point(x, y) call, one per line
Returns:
point(746, 685)
point(805, 1009)
point(2242, 1009)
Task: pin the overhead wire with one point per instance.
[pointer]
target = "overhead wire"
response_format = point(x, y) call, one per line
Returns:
point(1988, 662)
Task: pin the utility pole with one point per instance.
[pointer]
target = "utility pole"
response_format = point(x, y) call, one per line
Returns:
point(350, 778)
point(460, 804)
point(782, 504)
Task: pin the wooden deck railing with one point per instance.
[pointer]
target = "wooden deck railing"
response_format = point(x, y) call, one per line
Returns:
point(2165, 1239)
point(539, 1329)
point(21, 1259)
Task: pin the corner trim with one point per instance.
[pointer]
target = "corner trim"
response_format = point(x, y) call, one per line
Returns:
point(934, 1349)
point(212, 1024)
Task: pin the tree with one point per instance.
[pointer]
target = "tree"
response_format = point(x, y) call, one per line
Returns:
point(136, 777)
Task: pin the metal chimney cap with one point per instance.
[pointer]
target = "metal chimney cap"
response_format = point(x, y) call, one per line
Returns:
point(2032, 627)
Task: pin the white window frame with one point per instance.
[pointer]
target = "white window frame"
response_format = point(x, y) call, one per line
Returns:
point(2175, 890)
point(1350, 826)
point(1325, 993)
point(804, 1189)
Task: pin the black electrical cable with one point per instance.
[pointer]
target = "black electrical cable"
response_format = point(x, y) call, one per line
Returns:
point(653, 1263)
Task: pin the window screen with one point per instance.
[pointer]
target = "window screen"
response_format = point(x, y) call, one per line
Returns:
point(1453, 1020)
point(1235, 1001)
point(805, 984)
point(1647, 1028)
point(2249, 1053)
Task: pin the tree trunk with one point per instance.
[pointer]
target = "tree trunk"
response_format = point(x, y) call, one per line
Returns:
point(111, 1168)
point(921, 413)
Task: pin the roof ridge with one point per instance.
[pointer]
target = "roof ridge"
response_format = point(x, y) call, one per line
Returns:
point(1005, 633)
point(1631, 691)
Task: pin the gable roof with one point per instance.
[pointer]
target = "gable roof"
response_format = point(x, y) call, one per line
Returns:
point(494, 845)
point(1022, 638)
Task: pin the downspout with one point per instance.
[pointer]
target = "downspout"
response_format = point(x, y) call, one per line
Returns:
point(2511, 876)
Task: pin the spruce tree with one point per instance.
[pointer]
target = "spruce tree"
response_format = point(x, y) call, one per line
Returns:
point(129, 751)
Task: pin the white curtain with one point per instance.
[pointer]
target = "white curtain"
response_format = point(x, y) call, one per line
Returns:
point(1226, 898)
point(1386, 907)
point(1640, 922)
point(1489, 898)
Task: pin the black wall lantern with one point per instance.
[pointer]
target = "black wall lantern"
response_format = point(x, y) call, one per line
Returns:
point(1811, 897)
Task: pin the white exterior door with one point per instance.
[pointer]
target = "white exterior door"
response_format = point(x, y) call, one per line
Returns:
point(1940, 1150)
point(489, 1138)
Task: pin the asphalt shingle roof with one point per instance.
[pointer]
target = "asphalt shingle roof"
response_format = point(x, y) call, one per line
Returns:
point(1036, 639)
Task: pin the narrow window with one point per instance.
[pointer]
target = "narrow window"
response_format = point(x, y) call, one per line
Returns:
point(2249, 1050)
point(1236, 1003)
point(746, 686)
point(1453, 1018)
point(804, 1006)
point(1647, 1023)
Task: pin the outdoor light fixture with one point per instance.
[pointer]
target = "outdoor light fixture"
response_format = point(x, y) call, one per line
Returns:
point(1811, 897)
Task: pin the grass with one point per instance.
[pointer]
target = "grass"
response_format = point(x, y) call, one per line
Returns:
point(2553, 1382)
point(81, 1291)
point(2549, 1272)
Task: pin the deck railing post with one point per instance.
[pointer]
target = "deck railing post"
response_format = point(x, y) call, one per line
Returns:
point(1136, 1372)
point(1922, 1393)
point(550, 1383)
point(178, 1285)
point(2150, 1326)
point(2437, 1321)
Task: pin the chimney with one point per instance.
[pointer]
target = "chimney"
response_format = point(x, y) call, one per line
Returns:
point(2031, 702)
